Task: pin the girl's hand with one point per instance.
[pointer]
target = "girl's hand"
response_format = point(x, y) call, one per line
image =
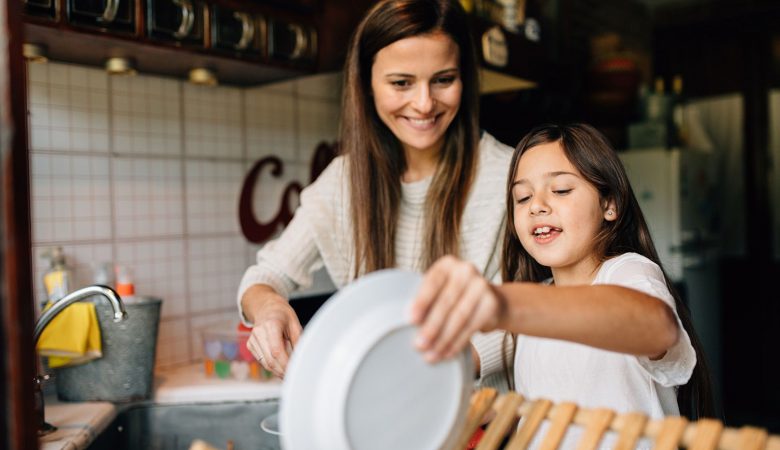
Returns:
point(454, 302)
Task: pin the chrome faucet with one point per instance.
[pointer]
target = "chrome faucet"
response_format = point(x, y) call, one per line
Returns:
point(119, 315)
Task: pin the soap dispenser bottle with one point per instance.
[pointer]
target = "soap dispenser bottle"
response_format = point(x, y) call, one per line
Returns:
point(58, 279)
point(125, 286)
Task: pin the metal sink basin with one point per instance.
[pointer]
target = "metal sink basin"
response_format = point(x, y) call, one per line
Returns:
point(173, 427)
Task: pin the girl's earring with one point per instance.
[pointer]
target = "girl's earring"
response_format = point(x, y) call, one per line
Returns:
point(610, 212)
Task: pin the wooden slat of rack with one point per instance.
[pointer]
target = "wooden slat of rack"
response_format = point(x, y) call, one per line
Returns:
point(597, 423)
point(708, 433)
point(481, 401)
point(532, 421)
point(752, 438)
point(560, 419)
point(670, 434)
point(633, 426)
point(507, 413)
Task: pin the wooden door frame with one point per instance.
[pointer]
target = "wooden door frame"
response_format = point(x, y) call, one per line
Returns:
point(17, 356)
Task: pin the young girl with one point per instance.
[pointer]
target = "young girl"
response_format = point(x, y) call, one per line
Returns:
point(597, 319)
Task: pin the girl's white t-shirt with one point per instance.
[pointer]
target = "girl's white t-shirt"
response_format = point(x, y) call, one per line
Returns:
point(563, 371)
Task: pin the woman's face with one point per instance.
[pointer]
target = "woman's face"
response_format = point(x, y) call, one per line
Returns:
point(417, 88)
point(557, 213)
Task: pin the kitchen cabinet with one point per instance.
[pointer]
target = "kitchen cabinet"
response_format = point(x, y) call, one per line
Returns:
point(237, 31)
point(299, 5)
point(176, 21)
point(171, 37)
point(509, 54)
point(46, 9)
point(110, 15)
point(292, 42)
point(244, 42)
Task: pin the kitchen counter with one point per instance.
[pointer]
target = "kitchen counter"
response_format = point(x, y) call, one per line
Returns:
point(78, 423)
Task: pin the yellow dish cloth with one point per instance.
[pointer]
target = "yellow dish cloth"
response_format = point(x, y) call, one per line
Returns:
point(73, 337)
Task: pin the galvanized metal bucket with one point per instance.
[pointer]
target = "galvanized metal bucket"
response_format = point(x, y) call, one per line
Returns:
point(126, 370)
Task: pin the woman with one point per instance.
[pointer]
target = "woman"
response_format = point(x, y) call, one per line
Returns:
point(415, 181)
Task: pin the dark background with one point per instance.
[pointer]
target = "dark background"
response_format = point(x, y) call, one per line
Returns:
point(719, 47)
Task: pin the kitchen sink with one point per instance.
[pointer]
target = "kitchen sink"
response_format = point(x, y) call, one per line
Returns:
point(176, 426)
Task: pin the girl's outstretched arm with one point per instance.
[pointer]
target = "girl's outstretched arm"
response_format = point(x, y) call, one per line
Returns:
point(455, 301)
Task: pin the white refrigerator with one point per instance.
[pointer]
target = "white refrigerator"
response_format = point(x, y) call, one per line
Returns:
point(677, 191)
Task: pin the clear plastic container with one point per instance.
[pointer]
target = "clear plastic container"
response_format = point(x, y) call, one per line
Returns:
point(225, 356)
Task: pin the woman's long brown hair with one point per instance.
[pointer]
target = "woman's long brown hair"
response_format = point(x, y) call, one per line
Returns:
point(375, 157)
point(590, 152)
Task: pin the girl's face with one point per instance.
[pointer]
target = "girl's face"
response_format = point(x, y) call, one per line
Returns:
point(557, 214)
point(417, 88)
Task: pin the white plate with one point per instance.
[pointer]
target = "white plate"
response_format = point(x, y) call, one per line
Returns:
point(355, 380)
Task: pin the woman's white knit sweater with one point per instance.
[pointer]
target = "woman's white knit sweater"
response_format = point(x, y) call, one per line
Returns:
point(320, 234)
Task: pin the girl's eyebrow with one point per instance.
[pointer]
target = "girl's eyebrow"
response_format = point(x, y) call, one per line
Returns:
point(408, 75)
point(546, 175)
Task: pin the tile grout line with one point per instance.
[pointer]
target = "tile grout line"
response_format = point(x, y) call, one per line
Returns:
point(185, 222)
point(111, 179)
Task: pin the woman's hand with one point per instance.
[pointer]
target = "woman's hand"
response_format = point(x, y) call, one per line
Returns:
point(454, 302)
point(276, 327)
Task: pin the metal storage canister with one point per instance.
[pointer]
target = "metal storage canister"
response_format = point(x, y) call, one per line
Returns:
point(126, 370)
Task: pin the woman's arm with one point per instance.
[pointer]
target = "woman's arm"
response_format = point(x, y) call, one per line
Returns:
point(455, 301)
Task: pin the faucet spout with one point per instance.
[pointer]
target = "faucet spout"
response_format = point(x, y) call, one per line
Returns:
point(116, 303)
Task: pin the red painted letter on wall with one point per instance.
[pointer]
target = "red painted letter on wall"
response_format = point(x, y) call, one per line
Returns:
point(257, 232)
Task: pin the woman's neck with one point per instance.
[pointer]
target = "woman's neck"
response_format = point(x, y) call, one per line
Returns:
point(420, 164)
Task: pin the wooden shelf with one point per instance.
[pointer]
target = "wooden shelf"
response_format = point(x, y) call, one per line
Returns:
point(526, 59)
point(155, 58)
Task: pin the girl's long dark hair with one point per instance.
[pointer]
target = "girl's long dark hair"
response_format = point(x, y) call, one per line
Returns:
point(590, 152)
point(376, 159)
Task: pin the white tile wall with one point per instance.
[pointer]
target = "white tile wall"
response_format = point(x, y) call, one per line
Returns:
point(146, 115)
point(270, 124)
point(213, 189)
point(213, 122)
point(148, 197)
point(316, 118)
point(71, 197)
point(214, 272)
point(159, 269)
point(68, 108)
point(146, 172)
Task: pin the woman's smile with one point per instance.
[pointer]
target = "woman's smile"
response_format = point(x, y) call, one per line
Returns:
point(422, 124)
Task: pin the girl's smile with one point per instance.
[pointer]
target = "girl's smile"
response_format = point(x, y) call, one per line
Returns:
point(544, 233)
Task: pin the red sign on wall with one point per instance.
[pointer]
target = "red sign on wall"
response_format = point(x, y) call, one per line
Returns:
point(257, 232)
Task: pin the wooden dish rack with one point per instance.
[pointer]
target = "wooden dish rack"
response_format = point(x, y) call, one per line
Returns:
point(669, 433)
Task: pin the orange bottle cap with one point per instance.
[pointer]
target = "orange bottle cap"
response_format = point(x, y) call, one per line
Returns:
point(125, 289)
